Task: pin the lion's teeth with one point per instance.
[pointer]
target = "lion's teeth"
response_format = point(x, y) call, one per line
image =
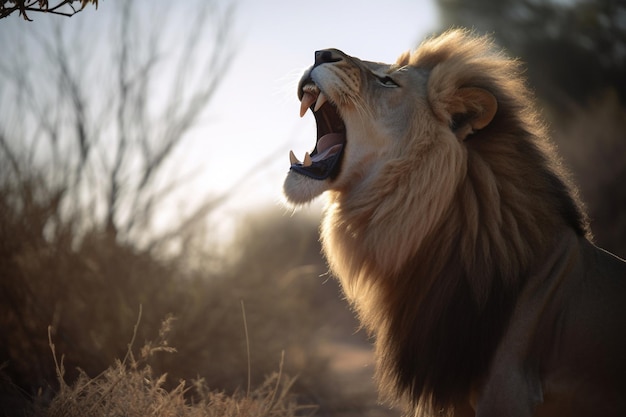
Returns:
point(293, 159)
point(307, 100)
point(307, 160)
point(321, 99)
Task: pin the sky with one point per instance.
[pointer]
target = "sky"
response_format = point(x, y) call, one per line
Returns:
point(256, 112)
point(253, 119)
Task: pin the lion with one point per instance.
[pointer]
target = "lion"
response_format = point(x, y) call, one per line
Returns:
point(458, 236)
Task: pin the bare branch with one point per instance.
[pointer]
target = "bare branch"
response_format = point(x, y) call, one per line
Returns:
point(210, 205)
point(109, 138)
point(41, 6)
point(10, 155)
point(70, 82)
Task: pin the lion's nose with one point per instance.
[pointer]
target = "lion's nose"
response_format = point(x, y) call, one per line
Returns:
point(327, 55)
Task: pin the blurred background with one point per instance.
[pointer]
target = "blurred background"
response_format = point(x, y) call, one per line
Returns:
point(143, 145)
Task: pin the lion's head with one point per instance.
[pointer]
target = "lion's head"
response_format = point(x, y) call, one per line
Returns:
point(369, 114)
point(444, 197)
point(361, 109)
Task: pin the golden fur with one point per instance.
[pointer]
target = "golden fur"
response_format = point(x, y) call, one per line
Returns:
point(456, 235)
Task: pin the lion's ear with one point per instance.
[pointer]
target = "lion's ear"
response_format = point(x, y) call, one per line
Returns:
point(472, 109)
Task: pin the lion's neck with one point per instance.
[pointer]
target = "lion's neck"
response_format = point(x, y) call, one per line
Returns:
point(435, 318)
point(386, 217)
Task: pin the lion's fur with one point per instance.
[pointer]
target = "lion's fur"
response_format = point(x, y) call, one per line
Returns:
point(437, 247)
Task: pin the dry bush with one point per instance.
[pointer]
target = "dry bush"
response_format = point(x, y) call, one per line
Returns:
point(90, 292)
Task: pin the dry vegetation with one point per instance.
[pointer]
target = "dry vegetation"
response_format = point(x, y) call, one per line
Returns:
point(89, 295)
point(120, 391)
point(129, 388)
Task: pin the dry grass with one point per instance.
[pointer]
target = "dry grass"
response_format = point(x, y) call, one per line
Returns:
point(129, 388)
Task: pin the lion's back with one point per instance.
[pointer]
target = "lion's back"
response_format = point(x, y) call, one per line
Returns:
point(586, 367)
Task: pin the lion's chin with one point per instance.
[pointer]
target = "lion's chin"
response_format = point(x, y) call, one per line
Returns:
point(300, 189)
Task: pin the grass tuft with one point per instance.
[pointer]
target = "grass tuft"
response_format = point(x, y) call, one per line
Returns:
point(130, 388)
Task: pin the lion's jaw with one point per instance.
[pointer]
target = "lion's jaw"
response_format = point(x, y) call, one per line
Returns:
point(361, 117)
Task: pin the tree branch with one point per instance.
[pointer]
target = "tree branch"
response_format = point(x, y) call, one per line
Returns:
point(41, 6)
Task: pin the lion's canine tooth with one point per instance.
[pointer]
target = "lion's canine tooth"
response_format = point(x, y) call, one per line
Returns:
point(307, 100)
point(293, 159)
point(321, 99)
point(307, 160)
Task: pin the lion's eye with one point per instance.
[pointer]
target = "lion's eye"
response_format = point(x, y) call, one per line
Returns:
point(387, 81)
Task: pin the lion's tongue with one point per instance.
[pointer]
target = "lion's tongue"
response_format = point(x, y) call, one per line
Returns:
point(328, 145)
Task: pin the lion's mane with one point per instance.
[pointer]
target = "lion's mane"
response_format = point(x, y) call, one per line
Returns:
point(434, 253)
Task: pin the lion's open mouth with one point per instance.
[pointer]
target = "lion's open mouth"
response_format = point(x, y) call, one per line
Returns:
point(324, 161)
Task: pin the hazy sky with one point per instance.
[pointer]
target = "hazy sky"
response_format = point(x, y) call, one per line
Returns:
point(254, 115)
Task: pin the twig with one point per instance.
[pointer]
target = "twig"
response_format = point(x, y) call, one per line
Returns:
point(23, 8)
point(245, 327)
point(132, 340)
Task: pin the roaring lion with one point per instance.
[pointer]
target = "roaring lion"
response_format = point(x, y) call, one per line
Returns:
point(457, 236)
